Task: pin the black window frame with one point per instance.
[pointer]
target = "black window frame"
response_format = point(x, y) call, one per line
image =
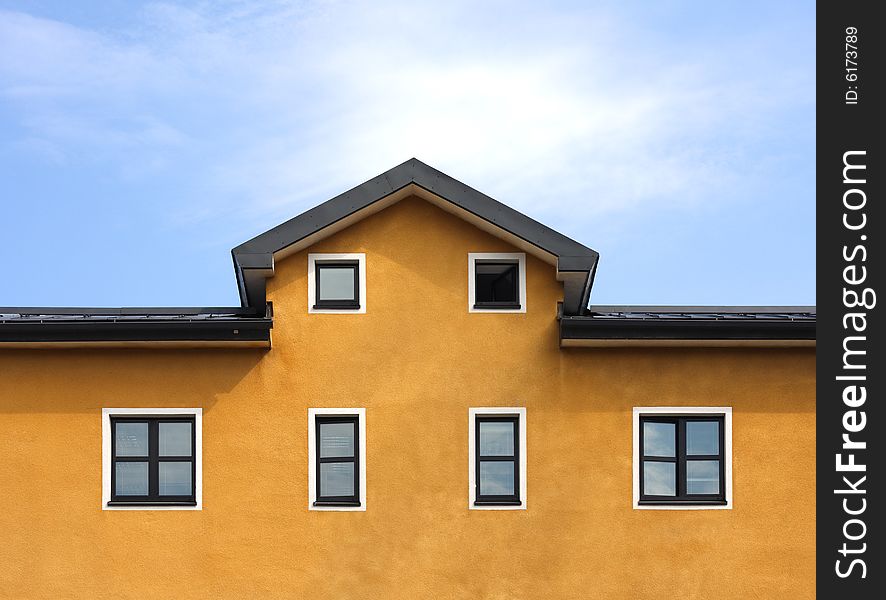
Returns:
point(153, 498)
point(321, 500)
point(352, 304)
point(680, 459)
point(498, 305)
point(497, 500)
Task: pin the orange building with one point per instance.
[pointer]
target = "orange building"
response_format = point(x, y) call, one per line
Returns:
point(439, 413)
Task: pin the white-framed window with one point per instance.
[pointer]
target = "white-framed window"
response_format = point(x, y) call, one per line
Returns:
point(152, 458)
point(337, 283)
point(682, 457)
point(497, 458)
point(497, 282)
point(337, 459)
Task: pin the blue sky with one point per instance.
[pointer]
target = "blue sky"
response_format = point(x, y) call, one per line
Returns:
point(141, 141)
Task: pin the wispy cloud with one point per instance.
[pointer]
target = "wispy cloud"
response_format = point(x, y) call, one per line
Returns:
point(286, 101)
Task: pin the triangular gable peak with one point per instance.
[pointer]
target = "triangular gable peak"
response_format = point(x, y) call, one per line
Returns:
point(575, 263)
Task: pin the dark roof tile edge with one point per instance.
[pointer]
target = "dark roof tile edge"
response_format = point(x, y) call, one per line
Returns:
point(761, 325)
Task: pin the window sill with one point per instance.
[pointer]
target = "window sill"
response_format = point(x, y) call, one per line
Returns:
point(319, 503)
point(337, 306)
point(498, 503)
point(498, 305)
point(682, 503)
point(124, 503)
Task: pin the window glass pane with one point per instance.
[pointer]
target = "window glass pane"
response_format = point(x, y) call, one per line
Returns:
point(175, 478)
point(175, 439)
point(659, 478)
point(703, 477)
point(337, 479)
point(495, 282)
point(336, 439)
point(659, 439)
point(131, 479)
point(336, 283)
point(702, 437)
point(496, 438)
point(132, 439)
point(496, 478)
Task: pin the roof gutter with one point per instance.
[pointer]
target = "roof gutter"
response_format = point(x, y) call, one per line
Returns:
point(71, 328)
point(588, 331)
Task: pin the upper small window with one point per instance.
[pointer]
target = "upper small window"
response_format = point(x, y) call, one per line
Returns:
point(337, 283)
point(683, 458)
point(497, 282)
point(496, 285)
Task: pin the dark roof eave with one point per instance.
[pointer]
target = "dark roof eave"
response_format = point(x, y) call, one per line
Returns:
point(590, 328)
point(172, 311)
point(706, 309)
point(236, 331)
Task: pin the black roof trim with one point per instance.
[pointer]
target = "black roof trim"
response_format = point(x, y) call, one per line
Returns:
point(253, 260)
point(619, 309)
point(166, 330)
point(786, 323)
point(7, 311)
point(48, 325)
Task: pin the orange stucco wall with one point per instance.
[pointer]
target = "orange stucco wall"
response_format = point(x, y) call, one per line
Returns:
point(417, 360)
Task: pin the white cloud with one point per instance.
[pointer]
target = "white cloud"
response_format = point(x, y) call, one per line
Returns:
point(277, 106)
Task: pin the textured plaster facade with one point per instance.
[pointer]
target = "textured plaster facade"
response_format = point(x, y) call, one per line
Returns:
point(416, 361)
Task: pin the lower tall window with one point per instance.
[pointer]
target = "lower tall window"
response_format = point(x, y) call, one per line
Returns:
point(338, 466)
point(153, 460)
point(683, 459)
point(498, 448)
point(337, 454)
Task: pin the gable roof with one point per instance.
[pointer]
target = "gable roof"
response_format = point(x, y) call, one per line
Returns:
point(575, 263)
